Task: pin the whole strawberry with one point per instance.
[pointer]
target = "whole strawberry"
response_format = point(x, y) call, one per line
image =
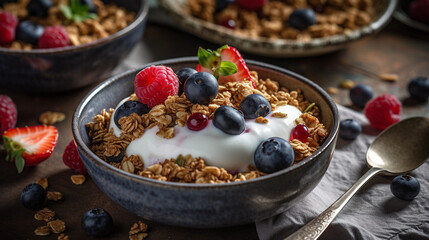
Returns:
point(419, 10)
point(154, 84)
point(72, 159)
point(8, 23)
point(8, 113)
point(54, 37)
point(383, 111)
point(28, 146)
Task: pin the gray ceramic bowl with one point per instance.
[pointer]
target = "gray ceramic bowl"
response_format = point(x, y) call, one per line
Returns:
point(206, 205)
point(61, 69)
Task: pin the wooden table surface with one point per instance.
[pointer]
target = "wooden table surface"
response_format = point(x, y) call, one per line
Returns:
point(397, 50)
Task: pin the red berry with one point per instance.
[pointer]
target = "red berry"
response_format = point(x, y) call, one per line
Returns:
point(154, 84)
point(250, 4)
point(300, 132)
point(8, 113)
point(197, 121)
point(228, 23)
point(54, 37)
point(8, 23)
point(72, 159)
point(419, 10)
point(383, 111)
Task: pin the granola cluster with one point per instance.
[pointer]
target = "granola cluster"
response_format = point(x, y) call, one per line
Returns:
point(110, 20)
point(177, 109)
point(333, 17)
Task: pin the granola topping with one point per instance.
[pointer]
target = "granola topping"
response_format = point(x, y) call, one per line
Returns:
point(165, 121)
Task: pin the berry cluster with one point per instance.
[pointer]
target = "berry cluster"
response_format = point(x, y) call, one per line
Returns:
point(28, 31)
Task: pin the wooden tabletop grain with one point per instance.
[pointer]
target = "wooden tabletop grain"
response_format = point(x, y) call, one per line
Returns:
point(395, 50)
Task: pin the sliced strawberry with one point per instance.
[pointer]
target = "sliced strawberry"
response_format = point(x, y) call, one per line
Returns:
point(28, 146)
point(229, 54)
point(232, 55)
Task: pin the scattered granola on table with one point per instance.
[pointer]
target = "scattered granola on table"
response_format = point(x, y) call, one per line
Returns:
point(78, 179)
point(285, 19)
point(154, 119)
point(49, 118)
point(138, 231)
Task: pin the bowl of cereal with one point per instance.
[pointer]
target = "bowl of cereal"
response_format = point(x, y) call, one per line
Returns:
point(277, 28)
point(53, 46)
point(197, 161)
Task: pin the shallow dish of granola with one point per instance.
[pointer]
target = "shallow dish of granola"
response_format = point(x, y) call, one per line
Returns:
point(267, 31)
point(64, 45)
point(202, 195)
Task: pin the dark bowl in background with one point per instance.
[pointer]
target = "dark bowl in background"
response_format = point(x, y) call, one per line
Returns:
point(71, 67)
point(205, 205)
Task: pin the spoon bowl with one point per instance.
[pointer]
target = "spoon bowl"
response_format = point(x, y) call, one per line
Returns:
point(399, 149)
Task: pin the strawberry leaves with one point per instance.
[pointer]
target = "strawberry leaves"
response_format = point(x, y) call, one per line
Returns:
point(211, 60)
point(77, 12)
point(14, 153)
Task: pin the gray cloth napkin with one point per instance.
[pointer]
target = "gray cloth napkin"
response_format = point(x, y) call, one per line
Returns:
point(373, 213)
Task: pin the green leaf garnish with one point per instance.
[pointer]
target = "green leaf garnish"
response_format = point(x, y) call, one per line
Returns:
point(204, 57)
point(180, 161)
point(77, 12)
point(309, 107)
point(14, 153)
point(227, 68)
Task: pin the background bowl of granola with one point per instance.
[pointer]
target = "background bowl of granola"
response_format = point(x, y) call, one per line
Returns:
point(96, 47)
point(266, 31)
point(204, 204)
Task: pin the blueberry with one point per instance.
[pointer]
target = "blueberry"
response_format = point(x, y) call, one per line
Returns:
point(97, 222)
point(39, 8)
point(302, 18)
point(184, 74)
point(273, 154)
point(128, 108)
point(116, 159)
point(349, 129)
point(201, 88)
point(229, 120)
point(90, 4)
point(419, 88)
point(33, 196)
point(222, 4)
point(29, 32)
point(361, 94)
point(405, 187)
point(255, 105)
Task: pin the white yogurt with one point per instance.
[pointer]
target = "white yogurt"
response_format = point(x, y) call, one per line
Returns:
point(232, 152)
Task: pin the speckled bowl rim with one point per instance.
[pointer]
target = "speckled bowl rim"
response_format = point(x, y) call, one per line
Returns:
point(134, 177)
point(140, 17)
point(276, 47)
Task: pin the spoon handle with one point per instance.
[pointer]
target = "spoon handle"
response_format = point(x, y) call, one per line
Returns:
point(317, 226)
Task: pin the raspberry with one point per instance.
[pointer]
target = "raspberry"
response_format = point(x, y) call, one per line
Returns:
point(419, 10)
point(8, 113)
point(72, 159)
point(54, 37)
point(8, 23)
point(383, 111)
point(154, 84)
point(250, 4)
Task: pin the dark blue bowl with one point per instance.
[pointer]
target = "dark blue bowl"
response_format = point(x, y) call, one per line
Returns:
point(206, 205)
point(67, 68)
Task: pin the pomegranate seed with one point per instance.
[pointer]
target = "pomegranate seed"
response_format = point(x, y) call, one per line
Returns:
point(300, 132)
point(197, 122)
point(229, 23)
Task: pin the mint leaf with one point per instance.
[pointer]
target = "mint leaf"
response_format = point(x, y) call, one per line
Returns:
point(77, 12)
point(204, 57)
point(227, 68)
point(67, 12)
point(309, 107)
point(180, 161)
point(223, 47)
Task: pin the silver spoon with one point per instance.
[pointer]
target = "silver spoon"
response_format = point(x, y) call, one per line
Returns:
point(398, 149)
